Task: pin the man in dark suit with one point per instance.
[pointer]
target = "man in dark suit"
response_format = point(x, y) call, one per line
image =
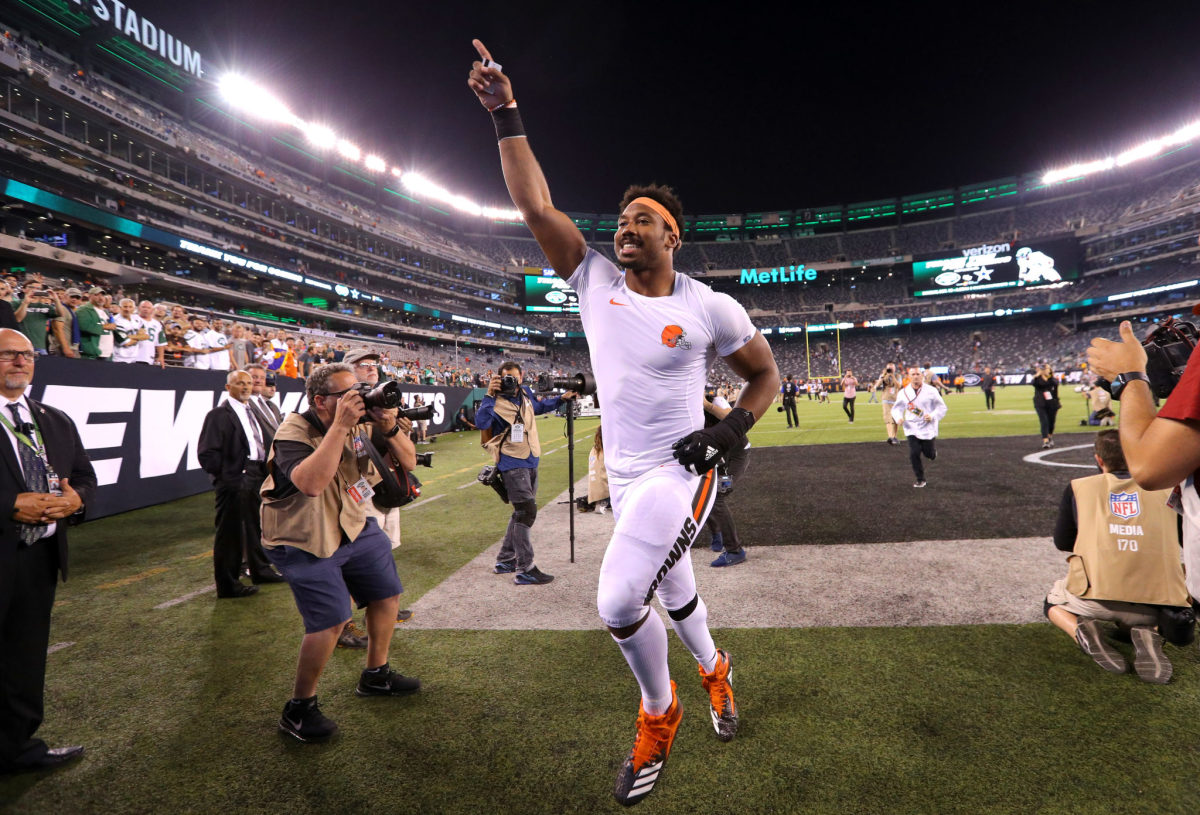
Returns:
point(233, 447)
point(267, 412)
point(45, 478)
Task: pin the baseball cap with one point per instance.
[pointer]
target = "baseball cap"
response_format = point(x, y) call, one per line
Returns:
point(96, 290)
point(357, 356)
point(73, 292)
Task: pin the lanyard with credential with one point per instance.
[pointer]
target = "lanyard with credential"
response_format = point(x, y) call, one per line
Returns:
point(34, 444)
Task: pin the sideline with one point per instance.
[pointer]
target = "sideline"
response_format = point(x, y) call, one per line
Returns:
point(1039, 457)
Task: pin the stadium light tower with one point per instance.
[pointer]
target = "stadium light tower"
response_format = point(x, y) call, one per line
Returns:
point(375, 163)
point(320, 136)
point(255, 100)
point(348, 150)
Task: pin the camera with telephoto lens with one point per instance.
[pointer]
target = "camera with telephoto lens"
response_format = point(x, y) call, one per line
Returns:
point(425, 459)
point(1168, 346)
point(385, 395)
point(582, 383)
point(420, 413)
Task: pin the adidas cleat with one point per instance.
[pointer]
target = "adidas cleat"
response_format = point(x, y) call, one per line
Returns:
point(721, 706)
point(642, 767)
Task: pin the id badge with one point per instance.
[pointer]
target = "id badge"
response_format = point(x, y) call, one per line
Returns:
point(1047, 395)
point(518, 433)
point(54, 486)
point(360, 491)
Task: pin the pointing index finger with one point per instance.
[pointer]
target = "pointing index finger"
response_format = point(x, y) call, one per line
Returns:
point(482, 49)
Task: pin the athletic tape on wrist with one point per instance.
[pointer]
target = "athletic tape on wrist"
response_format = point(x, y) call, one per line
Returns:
point(507, 120)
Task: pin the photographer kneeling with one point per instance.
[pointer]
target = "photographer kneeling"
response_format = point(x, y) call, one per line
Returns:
point(508, 412)
point(1123, 567)
point(317, 532)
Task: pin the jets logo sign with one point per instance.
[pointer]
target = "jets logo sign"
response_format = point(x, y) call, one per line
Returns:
point(1124, 504)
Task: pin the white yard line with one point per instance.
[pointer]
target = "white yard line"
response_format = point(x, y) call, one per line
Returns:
point(189, 596)
point(422, 502)
point(58, 646)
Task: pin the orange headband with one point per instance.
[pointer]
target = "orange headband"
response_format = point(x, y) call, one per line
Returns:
point(661, 210)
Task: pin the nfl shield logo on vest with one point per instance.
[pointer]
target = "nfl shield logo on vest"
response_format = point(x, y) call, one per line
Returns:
point(1123, 504)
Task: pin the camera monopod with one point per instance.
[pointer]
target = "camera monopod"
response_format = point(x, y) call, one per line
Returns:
point(584, 385)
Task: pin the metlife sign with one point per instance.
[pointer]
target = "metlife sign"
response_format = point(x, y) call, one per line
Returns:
point(790, 274)
point(145, 33)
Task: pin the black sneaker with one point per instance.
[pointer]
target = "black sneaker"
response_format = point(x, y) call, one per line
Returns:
point(383, 681)
point(504, 568)
point(533, 576)
point(303, 720)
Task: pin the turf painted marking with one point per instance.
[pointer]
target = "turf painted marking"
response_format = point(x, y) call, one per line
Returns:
point(469, 483)
point(58, 646)
point(199, 556)
point(422, 503)
point(191, 595)
point(1040, 457)
point(125, 581)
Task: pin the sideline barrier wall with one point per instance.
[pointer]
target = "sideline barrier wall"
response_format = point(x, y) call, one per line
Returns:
point(141, 425)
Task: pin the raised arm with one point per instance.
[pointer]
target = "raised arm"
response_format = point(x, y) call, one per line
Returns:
point(555, 232)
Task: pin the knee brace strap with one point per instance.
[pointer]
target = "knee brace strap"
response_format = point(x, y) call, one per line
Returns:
point(686, 611)
point(525, 512)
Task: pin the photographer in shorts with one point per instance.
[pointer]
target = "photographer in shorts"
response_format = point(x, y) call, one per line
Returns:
point(317, 532)
point(1162, 449)
point(508, 412)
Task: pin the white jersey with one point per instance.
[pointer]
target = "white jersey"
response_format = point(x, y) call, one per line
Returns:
point(148, 349)
point(218, 361)
point(130, 325)
point(199, 341)
point(651, 357)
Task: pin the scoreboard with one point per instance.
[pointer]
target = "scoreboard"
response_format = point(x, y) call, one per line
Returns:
point(547, 293)
point(996, 266)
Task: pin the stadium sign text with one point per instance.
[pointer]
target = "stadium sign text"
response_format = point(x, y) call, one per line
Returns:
point(145, 33)
point(792, 274)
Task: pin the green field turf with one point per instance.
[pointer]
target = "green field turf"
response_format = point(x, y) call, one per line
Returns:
point(178, 706)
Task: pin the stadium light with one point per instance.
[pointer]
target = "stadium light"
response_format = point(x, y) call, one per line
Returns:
point(1145, 150)
point(243, 94)
point(320, 136)
point(247, 96)
point(348, 150)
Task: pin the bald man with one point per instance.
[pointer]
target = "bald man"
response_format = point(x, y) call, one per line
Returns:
point(45, 479)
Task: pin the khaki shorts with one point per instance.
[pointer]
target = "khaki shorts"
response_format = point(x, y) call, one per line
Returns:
point(1127, 615)
point(887, 415)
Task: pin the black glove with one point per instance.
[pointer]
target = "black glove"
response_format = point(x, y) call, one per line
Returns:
point(700, 450)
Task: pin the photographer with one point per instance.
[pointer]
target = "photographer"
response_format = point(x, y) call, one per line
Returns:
point(508, 412)
point(317, 532)
point(1162, 451)
point(35, 311)
point(1123, 567)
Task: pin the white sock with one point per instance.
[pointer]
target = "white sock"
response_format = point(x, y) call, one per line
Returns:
point(693, 632)
point(646, 653)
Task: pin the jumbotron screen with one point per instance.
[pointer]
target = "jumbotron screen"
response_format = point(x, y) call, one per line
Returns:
point(996, 266)
point(547, 293)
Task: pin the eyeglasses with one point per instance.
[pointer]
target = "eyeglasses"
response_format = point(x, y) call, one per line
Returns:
point(335, 393)
point(366, 364)
point(10, 356)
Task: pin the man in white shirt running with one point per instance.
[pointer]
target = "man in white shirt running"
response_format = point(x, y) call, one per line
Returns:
point(653, 336)
point(918, 409)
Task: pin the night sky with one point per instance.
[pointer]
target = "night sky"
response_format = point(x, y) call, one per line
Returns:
point(739, 106)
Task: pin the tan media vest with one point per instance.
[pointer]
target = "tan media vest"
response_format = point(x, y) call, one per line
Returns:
point(1129, 559)
point(316, 524)
point(503, 443)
